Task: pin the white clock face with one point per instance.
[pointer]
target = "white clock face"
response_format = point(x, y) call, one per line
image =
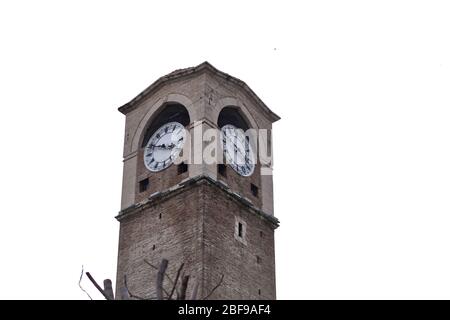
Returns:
point(164, 146)
point(237, 149)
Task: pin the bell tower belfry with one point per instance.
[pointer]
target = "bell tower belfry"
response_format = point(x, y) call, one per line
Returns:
point(184, 201)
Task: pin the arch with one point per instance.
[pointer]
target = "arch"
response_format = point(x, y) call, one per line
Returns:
point(168, 112)
point(156, 110)
point(231, 102)
point(232, 115)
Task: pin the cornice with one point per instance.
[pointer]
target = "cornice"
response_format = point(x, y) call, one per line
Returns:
point(186, 184)
point(181, 73)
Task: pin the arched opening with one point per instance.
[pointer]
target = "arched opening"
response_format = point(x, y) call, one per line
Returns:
point(232, 115)
point(168, 113)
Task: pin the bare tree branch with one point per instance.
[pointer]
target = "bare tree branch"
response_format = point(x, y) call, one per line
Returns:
point(160, 279)
point(156, 268)
point(161, 293)
point(167, 276)
point(79, 282)
point(124, 295)
point(107, 285)
point(195, 290)
point(97, 286)
point(214, 289)
point(183, 288)
point(176, 280)
point(128, 290)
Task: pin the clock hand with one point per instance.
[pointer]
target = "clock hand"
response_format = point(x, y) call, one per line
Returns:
point(170, 146)
point(161, 146)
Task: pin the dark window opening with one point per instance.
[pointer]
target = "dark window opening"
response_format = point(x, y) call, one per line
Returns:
point(259, 291)
point(160, 215)
point(258, 259)
point(222, 169)
point(261, 234)
point(254, 190)
point(240, 229)
point(168, 113)
point(143, 185)
point(182, 167)
point(154, 247)
point(232, 115)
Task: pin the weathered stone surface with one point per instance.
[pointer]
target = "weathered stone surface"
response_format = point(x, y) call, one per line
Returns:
point(192, 217)
point(197, 227)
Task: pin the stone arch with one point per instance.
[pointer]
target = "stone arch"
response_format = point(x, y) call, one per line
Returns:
point(233, 102)
point(153, 112)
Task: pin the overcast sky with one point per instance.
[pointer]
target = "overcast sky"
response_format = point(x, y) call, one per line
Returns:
point(362, 152)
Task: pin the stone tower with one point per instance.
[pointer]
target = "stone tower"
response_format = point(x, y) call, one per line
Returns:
point(210, 216)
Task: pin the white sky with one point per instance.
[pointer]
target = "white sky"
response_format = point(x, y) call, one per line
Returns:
point(362, 153)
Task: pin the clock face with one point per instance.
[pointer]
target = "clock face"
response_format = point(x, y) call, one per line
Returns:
point(238, 152)
point(164, 146)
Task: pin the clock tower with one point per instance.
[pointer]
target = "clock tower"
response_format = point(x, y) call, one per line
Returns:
point(197, 186)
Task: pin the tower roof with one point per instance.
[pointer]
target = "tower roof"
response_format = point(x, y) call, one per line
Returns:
point(180, 73)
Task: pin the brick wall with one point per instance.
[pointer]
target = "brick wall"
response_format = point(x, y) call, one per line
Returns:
point(158, 181)
point(176, 237)
point(197, 227)
point(245, 278)
point(242, 184)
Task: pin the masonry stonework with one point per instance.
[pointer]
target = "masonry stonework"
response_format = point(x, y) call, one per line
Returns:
point(192, 217)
